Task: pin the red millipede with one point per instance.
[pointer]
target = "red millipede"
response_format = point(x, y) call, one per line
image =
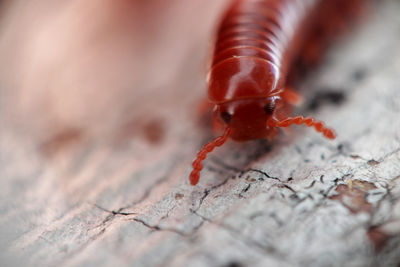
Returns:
point(257, 44)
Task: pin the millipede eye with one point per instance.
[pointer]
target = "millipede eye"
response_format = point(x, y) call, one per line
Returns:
point(226, 117)
point(269, 108)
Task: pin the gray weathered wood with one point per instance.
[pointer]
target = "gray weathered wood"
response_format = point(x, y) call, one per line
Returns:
point(299, 201)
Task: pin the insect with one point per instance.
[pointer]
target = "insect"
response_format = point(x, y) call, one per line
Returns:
point(256, 46)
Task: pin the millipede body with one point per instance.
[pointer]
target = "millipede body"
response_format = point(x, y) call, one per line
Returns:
point(257, 44)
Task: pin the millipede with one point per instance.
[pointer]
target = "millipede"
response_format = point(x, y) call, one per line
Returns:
point(257, 45)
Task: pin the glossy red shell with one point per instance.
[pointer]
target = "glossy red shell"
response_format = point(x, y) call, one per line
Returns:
point(243, 77)
point(255, 43)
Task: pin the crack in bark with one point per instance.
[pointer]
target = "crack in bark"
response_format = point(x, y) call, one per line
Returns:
point(112, 215)
point(383, 158)
point(373, 162)
point(159, 228)
point(241, 173)
point(148, 191)
point(258, 171)
point(167, 214)
point(244, 190)
point(145, 195)
point(206, 192)
point(311, 185)
point(115, 212)
point(270, 249)
point(155, 227)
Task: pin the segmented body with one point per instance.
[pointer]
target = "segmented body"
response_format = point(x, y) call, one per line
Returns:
point(256, 41)
point(256, 46)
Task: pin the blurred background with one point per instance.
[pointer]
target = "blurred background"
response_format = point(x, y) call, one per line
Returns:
point(88, 68)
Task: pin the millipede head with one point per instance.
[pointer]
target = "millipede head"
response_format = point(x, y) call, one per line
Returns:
point(248, 117)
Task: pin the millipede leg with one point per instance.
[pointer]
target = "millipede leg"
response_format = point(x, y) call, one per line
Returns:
point(202, 154)
point(308, 121)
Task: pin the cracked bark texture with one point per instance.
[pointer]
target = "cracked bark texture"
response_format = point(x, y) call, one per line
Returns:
point(299, 201)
